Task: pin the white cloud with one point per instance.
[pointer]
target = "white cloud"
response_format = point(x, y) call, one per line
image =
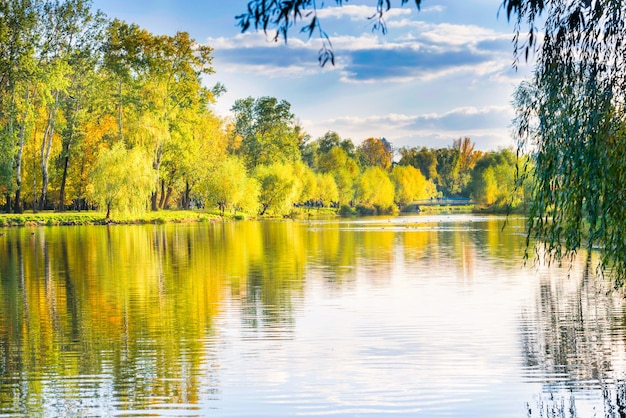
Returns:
point(355, 12)
point(433, 9)
point(488, 126)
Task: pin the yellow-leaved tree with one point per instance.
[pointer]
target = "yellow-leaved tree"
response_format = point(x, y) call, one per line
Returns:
point(122, 180)
point(410, 184)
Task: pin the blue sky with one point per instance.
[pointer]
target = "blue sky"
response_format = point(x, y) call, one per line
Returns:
point(441, 73)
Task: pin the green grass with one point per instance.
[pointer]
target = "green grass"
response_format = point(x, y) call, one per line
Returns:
point(448, 209)
point(97, 218)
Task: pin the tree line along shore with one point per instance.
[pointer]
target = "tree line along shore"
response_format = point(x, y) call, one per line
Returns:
point(100, 115)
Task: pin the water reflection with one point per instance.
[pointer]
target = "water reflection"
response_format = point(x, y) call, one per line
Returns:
point(573, 342)
point(430, 316)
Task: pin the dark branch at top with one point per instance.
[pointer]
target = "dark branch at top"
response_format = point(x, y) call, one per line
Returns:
point(280, 16)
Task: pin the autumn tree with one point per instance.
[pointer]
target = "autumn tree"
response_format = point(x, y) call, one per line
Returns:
point(375, 152)
point(165, 74)
point(83, 56)
point(344, 170)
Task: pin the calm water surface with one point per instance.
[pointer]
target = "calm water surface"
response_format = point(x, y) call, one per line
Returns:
point(425, 316)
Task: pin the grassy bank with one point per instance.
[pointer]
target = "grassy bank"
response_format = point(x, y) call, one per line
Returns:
point(445, 210)
point(98, 218)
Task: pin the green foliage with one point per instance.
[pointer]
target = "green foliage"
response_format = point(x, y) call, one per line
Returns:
point(228, 186)
point(265, 131)
point(122, 180)
point(570, 120)
point(278, 188)
point(346, 210)
point(423, 159)
point(495, 183)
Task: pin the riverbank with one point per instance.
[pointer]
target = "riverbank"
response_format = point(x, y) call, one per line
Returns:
point(187, 216)
point(98, 218)
point(159, 217)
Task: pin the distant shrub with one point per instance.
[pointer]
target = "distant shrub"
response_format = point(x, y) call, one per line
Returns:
point(387, 210)
point(366, 209)
point(346, 210)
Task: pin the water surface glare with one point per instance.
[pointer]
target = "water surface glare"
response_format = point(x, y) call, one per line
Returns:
point(427, 316)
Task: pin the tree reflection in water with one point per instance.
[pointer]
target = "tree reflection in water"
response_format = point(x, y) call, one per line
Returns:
point(574, 343)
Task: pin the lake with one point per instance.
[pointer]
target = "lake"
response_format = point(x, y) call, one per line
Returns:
point(426, 316)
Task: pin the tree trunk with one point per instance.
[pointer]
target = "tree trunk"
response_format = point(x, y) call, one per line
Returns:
point(46, 146)
point(153, 202)
point(7, 206)
point(17, 204)
point(157, 166)
point(186, 203)
point(67, 143)
point(168, 196)
point(119, 113)
point(162, 199)
point(66, 161)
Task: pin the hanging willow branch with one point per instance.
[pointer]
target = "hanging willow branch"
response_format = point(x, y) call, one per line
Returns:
point(571, 117)
point(280, 16)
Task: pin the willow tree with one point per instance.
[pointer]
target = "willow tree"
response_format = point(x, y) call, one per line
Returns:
point(122, 179)
point(571, 117)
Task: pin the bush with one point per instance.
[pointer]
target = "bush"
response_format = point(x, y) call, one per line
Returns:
point(387, 210)
point(366, 209)
point(346, 210)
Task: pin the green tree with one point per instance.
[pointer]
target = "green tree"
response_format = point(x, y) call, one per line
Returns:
point(494, 182)
point(228, 186)
point(266, 131)
point(121, 180)
point(448, 166)
point(329, 141)
point(423, 159)
point(278, 187)
point(164, 73)
point(570, 119)
point(19, 33)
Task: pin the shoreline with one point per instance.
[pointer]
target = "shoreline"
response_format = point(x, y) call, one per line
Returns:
point(46, 218)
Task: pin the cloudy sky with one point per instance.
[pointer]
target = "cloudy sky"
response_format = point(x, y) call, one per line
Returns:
point(438, 74)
